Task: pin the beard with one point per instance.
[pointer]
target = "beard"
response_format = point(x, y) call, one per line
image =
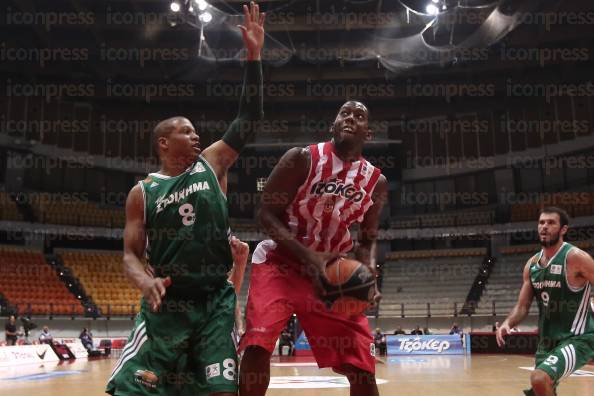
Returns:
point(554, 239)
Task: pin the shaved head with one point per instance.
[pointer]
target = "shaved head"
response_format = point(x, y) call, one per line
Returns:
point(164, 129)
point(356, 103)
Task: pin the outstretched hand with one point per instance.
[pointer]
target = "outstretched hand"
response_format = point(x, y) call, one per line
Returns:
point(252, 30)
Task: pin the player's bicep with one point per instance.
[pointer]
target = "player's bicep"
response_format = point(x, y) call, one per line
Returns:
point(284, 181)
point(134, 230)
point(583, 262)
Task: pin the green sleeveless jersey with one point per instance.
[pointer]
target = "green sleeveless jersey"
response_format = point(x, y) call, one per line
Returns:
point(563, 310)
point(187, 227)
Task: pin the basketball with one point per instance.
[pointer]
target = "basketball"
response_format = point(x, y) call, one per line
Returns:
point(348, 286)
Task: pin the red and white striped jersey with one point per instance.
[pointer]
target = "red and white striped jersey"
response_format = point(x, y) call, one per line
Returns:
point(335, 195)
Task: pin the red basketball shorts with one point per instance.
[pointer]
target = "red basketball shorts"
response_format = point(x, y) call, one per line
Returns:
point(277, 291)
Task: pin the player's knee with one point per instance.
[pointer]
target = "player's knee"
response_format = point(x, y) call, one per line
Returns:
point(540, 380)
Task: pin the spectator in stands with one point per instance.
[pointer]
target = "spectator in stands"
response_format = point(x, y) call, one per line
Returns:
point(11, 332)
point(86, 337)
point(455, 329)
point(417, 331)
point(495, 326)
point(45, 337)
point(286, 339)
point(379, 340)
point(27, 327)
point(426, 331)
point(399, 331)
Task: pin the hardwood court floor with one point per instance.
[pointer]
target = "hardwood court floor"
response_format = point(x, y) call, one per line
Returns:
point(484, 375)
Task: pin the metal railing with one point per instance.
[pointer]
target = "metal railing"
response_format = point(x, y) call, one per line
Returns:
point(51, 309)
point(69, 310)
point(432, 309)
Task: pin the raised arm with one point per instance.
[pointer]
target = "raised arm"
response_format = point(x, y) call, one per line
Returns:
point(520, 311)
point(367, 237)
point(223, 153)
point(153, 289)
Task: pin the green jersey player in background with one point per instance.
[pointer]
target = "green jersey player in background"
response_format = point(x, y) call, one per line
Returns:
point(183, 341)
point(560, 277)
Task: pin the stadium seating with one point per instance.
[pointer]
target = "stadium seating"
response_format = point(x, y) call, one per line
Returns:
point(432, 253)
point(32, 286)
point(576, 204)
point(534, 247)
point(506, 279)
point(77, 212)
point(242, 225)
point(519, 249)
point(504, 285)
point(8, 208)
point(440, 278)
point(100, 273)
point(460, 218)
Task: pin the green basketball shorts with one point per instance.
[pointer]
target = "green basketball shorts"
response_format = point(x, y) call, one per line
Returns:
point(565, 357)
point(187, 348)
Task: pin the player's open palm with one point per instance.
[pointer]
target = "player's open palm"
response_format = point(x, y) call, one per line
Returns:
point(502, 331)
point(252, 29)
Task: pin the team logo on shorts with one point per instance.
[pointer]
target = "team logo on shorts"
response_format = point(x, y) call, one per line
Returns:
point(213, 370)
point(372, 349)
point(146, 378)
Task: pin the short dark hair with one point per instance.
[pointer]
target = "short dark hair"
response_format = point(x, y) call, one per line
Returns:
point(164, 128)
point(563, 216)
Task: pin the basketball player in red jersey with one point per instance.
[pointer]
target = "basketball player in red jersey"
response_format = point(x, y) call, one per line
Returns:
point(310, 200)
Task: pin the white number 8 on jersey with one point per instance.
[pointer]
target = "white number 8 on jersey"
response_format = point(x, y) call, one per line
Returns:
point(186, 211)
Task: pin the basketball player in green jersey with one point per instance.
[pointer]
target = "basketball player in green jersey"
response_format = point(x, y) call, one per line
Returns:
point(183, 341)
point(560, 277)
